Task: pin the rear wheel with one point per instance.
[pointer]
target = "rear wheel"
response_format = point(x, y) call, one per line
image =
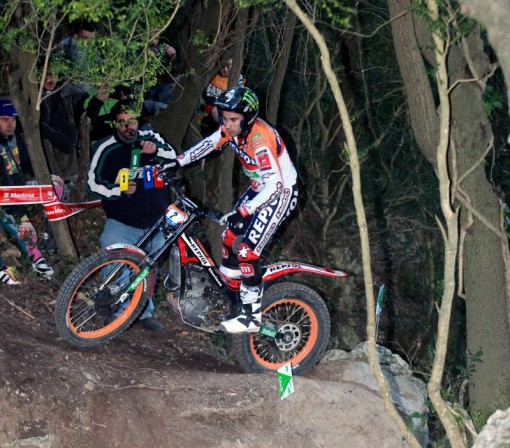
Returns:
point(93, 305)
point(301, 319)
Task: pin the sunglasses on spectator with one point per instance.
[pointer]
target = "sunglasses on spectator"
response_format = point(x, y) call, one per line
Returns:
point(120, 123)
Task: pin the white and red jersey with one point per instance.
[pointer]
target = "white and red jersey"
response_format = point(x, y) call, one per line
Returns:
point(263, 155)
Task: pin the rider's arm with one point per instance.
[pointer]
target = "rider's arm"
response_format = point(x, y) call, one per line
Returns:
point(215, 142)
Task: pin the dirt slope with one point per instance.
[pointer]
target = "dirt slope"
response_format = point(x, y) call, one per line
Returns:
point(159, 390)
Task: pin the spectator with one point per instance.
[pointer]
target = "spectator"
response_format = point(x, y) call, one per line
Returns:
point(217, 85)
point(158, 96)
point(130, 213)
point(6, 274)
point(97, 106)
point(70, 49)
point(59, 136)
point(14, 219)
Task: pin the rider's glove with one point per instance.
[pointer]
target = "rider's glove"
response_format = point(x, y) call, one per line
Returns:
point(172, 167)
point(26, 227)
point(233, 219)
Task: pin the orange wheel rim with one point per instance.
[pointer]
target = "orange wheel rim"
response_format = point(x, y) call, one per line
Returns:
point(301, 330)
point(119, 320)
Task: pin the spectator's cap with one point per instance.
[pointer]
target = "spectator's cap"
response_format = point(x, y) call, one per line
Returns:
point(7, 108)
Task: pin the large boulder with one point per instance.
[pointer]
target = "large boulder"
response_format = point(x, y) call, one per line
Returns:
point(496, 433)
point(408, 392)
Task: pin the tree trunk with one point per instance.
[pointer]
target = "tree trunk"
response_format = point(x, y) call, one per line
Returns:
point(225, 25)
point(495, 15)
point(483, 273)
point(24, 93)
point(199, 64)
point(275, 86)
point(219, 171)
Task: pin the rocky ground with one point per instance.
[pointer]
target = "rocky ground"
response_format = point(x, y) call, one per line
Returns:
point(177, 388)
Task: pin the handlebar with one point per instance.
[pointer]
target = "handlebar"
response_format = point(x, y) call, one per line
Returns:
point(168, 175)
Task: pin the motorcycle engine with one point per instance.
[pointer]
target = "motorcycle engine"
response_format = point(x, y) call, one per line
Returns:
point(201, 297)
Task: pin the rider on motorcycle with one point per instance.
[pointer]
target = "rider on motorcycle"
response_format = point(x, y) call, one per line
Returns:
point(270, 198)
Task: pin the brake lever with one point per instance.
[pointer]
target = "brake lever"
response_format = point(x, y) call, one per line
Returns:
point(213, 216)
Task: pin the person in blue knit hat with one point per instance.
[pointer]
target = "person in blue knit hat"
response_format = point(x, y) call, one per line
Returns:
point(14, 163)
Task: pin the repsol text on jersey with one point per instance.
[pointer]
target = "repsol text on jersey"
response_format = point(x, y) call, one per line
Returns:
point(246, 158)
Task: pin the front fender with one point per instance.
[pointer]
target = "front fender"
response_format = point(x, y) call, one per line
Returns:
point(276, 270)
point(127, 247)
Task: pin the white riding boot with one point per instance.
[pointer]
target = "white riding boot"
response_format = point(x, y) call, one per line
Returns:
point(249, 321)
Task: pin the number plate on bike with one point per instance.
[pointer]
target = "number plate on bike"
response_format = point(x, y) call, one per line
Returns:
point(175, 216)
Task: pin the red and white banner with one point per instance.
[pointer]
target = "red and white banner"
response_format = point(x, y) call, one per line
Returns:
point(59, 210)
point(45, 195)
point(27, 194)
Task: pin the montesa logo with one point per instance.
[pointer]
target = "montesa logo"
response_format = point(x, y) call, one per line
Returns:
point(22, 195)
point(197, 251)
point(139, 279)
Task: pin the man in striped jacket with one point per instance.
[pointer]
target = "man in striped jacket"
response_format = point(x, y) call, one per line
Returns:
point(130, 212)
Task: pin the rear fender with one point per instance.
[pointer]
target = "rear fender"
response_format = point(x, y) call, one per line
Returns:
point(276, 270)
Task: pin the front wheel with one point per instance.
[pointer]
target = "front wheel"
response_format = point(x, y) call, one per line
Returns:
point(94, 305)
point(302, 320)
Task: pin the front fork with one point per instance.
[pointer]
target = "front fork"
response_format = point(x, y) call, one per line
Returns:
point(136, 281)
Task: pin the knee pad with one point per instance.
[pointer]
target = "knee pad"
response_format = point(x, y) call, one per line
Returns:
point(250, 266)
point(229, 257)
point(228, 238)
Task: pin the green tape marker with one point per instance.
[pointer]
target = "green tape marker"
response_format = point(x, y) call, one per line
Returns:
point(135, 158)
point(285, 383)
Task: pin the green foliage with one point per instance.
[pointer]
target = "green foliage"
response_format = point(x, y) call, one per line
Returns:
point(493, 100)
point(456, 381)
point(480, 418)
point(201, 41)
point(416, 420)
point(338, 12)
point(222, 345)
point(118, 54)
point(506, 220)
point(264, 5)
point(466, 372)
point(451, 24)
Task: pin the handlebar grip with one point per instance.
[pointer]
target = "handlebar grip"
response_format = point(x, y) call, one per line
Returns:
point(168, 173)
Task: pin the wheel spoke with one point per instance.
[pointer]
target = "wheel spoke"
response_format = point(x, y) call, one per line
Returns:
point(80, 314)
point(294, 328)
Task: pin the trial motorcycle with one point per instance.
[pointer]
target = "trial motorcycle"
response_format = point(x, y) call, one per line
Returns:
point(107, 291)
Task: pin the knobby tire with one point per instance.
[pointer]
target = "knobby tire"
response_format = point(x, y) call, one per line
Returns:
point(86, 317)
point(302, 319)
